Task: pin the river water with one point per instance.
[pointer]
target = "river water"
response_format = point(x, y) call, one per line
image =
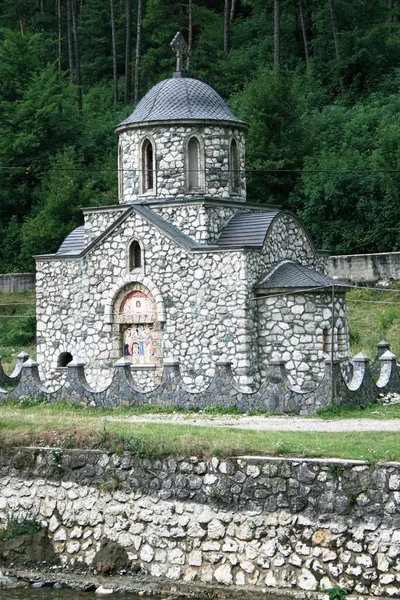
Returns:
point(48, 593)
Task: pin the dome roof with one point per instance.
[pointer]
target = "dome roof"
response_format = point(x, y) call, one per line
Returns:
point(181, 98)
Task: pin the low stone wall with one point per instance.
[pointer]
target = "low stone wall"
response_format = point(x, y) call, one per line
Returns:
point(365, 268)
point(17, 282)
point(345, 383)
point(248, 522)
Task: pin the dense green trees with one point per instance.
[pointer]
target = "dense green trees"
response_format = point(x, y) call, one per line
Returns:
point(324, 133)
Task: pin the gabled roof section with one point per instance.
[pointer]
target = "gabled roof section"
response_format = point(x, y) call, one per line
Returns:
point(247, 229)
point(291, 275)
point(74, 243)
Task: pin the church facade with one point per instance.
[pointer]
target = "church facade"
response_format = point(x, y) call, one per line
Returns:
point(182, 266)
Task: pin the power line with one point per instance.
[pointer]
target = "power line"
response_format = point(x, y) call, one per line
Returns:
point(29, 170)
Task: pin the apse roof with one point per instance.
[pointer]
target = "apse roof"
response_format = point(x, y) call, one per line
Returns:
point(289, 274)
point(181, 98)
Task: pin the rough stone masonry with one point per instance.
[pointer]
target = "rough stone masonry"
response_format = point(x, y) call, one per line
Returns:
point(247, 522)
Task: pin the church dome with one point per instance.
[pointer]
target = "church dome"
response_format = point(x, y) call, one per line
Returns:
point(182, 99)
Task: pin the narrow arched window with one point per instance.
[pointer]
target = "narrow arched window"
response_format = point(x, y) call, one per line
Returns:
point(326, 341)
point(148, 166)
point(63, 359)
point(135, 256)
point(194, 164)
point(341, 340)
point(120, 172)
point(235, 167)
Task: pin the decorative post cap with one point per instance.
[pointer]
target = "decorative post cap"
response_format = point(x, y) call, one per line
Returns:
point(122, 362)
point(172, 361)
point(388, 356)
point(383, 344)
point(361, 357)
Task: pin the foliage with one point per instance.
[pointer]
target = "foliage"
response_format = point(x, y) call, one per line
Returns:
point(18, 526)
point(335, 118)
point(337, 592)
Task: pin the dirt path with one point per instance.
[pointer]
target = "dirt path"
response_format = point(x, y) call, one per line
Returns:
point(261, 423)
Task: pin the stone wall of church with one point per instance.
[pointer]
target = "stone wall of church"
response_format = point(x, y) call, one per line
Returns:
point(298, 329)
point(205, 297)
point(98, 221)
point(169, 143)
point(200, 222)
point(286, 240)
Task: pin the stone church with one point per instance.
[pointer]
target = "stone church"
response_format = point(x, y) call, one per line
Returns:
point(182, 266)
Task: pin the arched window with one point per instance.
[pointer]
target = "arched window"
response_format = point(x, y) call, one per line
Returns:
point(193, 164)
point(341, 340)
point(120, 172)
point(147, 166)
point(64, 359)
point(135, 256)
point(234, 167)
point(326, 341)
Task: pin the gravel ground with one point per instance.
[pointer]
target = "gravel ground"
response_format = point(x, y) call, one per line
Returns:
point(261, 423)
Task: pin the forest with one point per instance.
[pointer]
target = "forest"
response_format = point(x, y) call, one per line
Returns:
point(317, 80)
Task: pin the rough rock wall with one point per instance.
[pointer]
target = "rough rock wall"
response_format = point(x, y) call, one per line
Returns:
point(200, 222)
point(97, 221)
point(169, 151)
point(204, 298)
point(298, 329)
point(263, 523)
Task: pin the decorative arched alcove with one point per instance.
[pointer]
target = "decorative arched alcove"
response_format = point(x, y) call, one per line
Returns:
point(136, 325)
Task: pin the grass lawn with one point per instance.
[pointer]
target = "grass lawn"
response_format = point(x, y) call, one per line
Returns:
point(69, 426)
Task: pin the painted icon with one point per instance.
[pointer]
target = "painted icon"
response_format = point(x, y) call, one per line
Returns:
point(138, 343)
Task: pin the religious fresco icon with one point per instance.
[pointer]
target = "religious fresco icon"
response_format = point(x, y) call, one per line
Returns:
point(137, 303)
point(138, 343)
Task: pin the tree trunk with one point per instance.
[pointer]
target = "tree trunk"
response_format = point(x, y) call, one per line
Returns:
point(227, 14)
point(390, 18)
point(70, 43)
point(277, 34)
point(233, 8)
point(59, 34)
point(304, 32)
point(335, 29)
point(314, 26)
point(77, 55)
point(128, 51)
point(138, 53)
point(190, 33)
point(114, 52)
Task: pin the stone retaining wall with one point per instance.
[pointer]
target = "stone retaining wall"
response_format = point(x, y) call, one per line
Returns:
point(248, 522)
point(17, 282)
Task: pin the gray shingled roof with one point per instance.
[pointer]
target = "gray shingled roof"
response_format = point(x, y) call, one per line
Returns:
point(292, 275)
point(247, 229)
point(181, 98)
point(74, 243)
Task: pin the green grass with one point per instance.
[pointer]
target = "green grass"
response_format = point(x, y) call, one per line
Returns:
point(370, 411)
point(373, 316)
point(69, 427)
point(17, 327)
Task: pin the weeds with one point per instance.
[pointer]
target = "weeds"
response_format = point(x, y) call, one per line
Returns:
point(337, 592)
point(18, 526)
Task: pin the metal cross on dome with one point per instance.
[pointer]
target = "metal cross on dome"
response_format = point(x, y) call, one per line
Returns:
point(179, 46)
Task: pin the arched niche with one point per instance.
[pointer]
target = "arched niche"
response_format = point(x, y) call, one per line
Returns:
point(234, 166)
point(136, 327)
point(148, 170)
point(194, 164)
point(120, 171)
point(135, 256)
